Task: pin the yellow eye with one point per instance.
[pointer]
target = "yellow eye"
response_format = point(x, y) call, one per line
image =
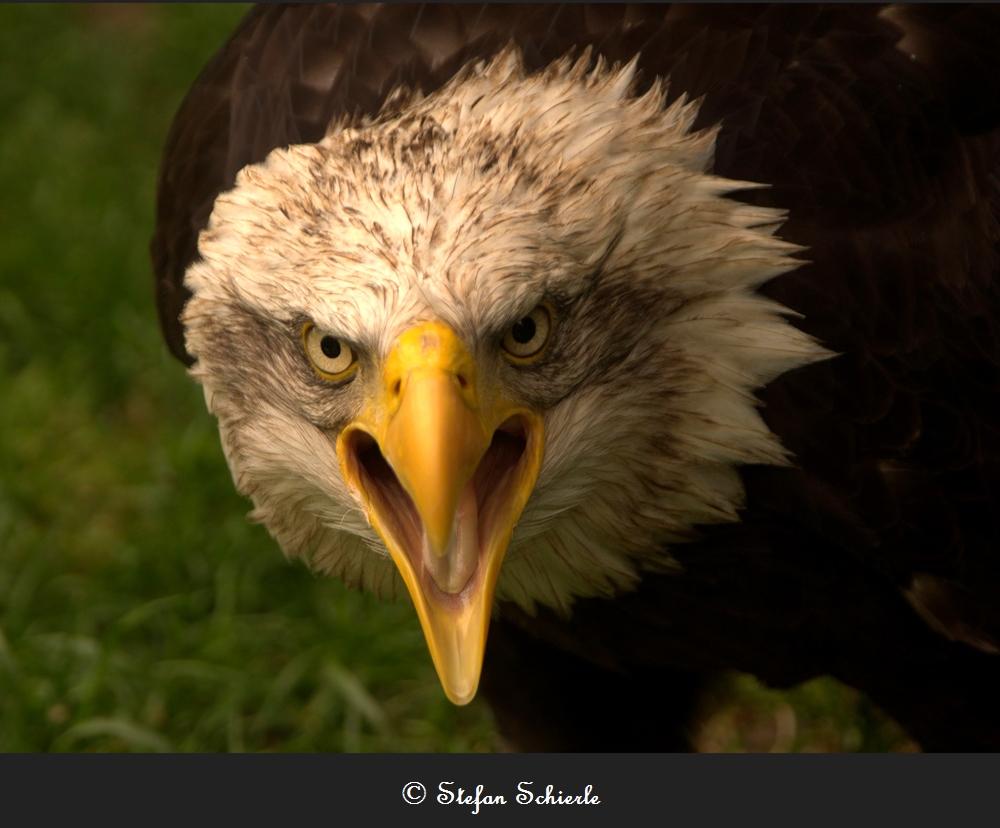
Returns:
point(527, 338)
point(331, 357)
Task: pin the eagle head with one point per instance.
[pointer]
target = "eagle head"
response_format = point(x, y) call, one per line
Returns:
point(499, 341)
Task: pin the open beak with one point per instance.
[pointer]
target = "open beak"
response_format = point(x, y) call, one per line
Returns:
point(444, 467)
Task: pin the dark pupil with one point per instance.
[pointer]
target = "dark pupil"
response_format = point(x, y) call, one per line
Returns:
point(524, 330)
point(330, 346)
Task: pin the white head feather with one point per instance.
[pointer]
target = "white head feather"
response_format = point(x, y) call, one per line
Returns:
point(470, 206)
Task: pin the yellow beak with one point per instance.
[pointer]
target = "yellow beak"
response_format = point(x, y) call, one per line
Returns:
point(444, 467)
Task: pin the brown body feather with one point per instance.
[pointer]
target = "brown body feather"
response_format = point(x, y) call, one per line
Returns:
point(877, 557)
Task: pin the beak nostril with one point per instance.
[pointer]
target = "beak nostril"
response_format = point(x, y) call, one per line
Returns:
point(462, 382)
point(396, 386)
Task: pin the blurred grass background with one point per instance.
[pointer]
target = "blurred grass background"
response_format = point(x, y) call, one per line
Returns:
point(139, 610)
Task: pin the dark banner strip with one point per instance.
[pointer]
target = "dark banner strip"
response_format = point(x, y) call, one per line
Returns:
point(583, 789)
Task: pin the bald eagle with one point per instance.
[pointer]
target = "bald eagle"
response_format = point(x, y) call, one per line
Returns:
point(654, 341)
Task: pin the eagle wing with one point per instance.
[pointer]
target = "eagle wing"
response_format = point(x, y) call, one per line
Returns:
point(875, 558)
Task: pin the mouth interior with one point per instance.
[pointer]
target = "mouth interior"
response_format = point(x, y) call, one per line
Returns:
point(491, 489)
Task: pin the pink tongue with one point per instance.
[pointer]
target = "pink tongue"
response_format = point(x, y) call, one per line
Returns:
point(453, 570)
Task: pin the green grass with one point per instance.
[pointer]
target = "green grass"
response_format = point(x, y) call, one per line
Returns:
point(139, 610)
point(138, 607)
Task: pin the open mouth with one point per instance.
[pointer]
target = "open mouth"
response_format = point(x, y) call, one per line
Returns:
point(443, 486)
point(483, 513)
